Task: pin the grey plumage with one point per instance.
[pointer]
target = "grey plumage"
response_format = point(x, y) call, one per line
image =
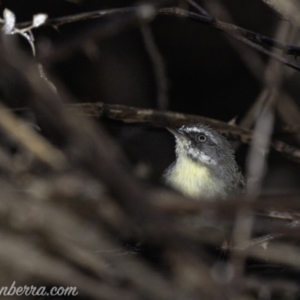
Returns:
point(205, 165)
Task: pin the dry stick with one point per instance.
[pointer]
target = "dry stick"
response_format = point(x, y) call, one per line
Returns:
point(59, 228)
point(255, 65)
point(265, 121)
point(254, 110)
point(157, 62)
point(258, 38)
point(289, 9)
point(64, 228)
point(127, 192)
point(261, 241)
point(64, 233)
point(6, 161)
point(277, 252)
point(252, 243)
point(158, 67)
point(289, 112)
point(199, 8)
point(132, 17)
point(164, 201)
point(31, 140)
point(193, 274)
point(22, 256)
point(275, 207)
point(256, 163)
point(95, 153)
point(254, 40)
point(259, 284)
point(251, 59)
point(129, 114)
point(228, 210)
point(239, 33)
point(146, 280)
point(250, 38)
point(286, 106)
point(260, 145)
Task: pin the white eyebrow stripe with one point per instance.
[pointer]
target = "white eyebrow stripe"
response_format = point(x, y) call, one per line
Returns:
point(193, 129)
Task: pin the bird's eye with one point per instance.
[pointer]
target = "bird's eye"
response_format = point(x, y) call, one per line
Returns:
point(201, 138)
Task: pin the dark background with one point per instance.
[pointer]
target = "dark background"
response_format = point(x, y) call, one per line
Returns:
point(205, 75)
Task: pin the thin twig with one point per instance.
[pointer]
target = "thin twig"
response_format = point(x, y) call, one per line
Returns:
point(158, 67)
point(31, 140)
point(252, 60)
point(253, 39)
point(200, 9)
point(256, 163)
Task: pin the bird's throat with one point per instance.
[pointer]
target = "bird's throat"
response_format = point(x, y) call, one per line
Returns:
point(191, 178)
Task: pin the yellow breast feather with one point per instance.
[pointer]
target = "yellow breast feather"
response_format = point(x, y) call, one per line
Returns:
point(191, 178)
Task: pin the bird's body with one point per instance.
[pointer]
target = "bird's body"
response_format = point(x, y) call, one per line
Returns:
point(205, 166)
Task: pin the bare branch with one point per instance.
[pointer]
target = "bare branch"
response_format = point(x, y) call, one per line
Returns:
point(255, 40)
point(289, 9)
point(138, 115)
point(158, 67)
point(31, 140)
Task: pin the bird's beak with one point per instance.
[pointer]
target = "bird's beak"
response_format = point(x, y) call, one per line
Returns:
point(177, 133)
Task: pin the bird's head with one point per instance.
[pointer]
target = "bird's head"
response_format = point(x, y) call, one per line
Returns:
point(202, 144)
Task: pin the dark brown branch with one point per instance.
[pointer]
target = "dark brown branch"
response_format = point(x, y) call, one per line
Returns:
point(234, 30)
point(201, 10)
point(137, 115)
point(128, 18)
point(259, 42)
point(158, 67)
point(255, 40)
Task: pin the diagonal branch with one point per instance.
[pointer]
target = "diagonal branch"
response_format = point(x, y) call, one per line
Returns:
point(129, 114)
point(255, 40)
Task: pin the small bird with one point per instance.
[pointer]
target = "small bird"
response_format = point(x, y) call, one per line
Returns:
point(205, 165)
